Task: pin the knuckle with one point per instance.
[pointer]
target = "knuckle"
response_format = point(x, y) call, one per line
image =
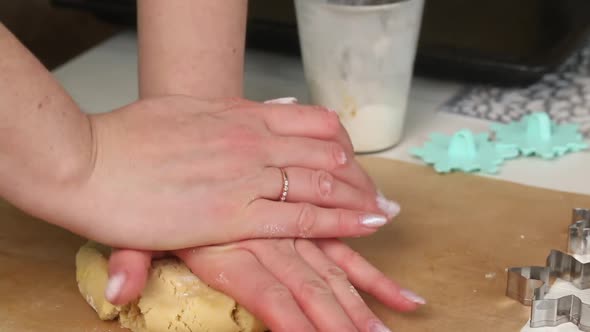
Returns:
point(314, 288)
point(341, 220)
point(322, 182)
point(275, 293)
point(334, 273)
point(232, 103)
point(306, 220)
point(329, 119)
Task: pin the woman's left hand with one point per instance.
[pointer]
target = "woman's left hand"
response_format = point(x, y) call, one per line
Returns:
point(290, 284)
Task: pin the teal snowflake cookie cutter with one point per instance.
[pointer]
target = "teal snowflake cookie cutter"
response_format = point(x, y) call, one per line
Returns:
point(464, 151)
point(536, 134)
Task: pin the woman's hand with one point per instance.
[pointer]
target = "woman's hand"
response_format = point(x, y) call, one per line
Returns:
point(292, 285)
point(176, 172)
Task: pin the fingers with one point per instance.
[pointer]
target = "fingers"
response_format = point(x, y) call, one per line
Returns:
point(128, 272)
point(318, 187)
point(305, 152)
point(322, 155)
point(299, 120)
point(276, 120)
point(237, 273)
point(363, 318)
point(270, 219)
point(366, 277)
point(289, 121)
point(356, 176)
point(312, 293)
point(284, 118)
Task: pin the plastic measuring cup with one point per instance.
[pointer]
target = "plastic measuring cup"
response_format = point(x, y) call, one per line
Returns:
point(358, 57)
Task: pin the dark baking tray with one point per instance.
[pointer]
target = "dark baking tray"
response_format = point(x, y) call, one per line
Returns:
point(504, 42)
point(509, 42)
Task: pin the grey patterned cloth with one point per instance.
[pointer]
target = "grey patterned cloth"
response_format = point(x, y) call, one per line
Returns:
point(564, 95)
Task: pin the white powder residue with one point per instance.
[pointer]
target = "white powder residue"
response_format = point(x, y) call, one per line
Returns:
point(221, 278)
point(90, 301)
point(490, 275)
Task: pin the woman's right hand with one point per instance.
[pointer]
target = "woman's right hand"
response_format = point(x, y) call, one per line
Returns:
point(175, 172)
point(290, 284)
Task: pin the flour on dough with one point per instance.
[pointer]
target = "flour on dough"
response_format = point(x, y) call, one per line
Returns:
point(174, 299)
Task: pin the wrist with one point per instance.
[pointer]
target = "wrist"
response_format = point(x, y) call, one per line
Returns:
point(41, 177)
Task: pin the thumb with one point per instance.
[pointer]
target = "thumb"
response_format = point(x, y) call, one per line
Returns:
point(128, 271)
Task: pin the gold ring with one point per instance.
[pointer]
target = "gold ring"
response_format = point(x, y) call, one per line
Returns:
point(285, 191)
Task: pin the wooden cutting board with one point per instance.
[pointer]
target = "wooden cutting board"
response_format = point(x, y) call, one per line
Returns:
point(453, 230)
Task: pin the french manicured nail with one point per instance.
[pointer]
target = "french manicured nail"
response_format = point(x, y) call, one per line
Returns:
point(282, 101)
point(413, 297)
point(373, 220)
point(377, 326)
point(114, 286)
point(390, 208)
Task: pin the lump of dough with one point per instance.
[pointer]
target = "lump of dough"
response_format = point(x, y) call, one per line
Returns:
point(174, 300)
point(92, 277)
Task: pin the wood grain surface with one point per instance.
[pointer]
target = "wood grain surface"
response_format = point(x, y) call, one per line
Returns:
point(453, 230)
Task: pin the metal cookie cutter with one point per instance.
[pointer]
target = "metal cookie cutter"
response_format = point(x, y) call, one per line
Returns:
point(579, 232)
point(529, 285)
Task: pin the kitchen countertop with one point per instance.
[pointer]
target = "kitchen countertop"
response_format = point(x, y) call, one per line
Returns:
point(104, 78)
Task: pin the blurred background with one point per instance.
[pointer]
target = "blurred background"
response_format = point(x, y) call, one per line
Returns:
point(55, 35)
point(499, 41)
point(512, 57)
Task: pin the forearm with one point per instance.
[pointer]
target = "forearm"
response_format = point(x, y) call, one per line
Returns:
point(44, 138)
point(191, 47)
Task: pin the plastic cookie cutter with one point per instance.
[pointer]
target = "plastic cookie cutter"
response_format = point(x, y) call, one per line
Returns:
point(529, 285)
point(536, 134)
point(465, 152)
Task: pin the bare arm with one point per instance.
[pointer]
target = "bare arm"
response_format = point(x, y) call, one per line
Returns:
point(191, 47)
point(45, 140)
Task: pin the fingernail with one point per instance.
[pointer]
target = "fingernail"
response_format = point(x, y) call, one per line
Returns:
point(373, 220)
point(282, 101)
point(326, 185)
point(342, 158)
point(390, 208)
point(114, 286)
point(413, 297)
point(377, 326)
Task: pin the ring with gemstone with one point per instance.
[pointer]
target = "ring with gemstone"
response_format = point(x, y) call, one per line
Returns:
point(285, 191)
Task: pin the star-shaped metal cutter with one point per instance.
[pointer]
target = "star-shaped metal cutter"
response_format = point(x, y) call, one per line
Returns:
point(529, 285)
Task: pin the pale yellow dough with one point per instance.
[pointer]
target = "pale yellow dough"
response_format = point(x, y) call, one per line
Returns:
point(174, 299)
